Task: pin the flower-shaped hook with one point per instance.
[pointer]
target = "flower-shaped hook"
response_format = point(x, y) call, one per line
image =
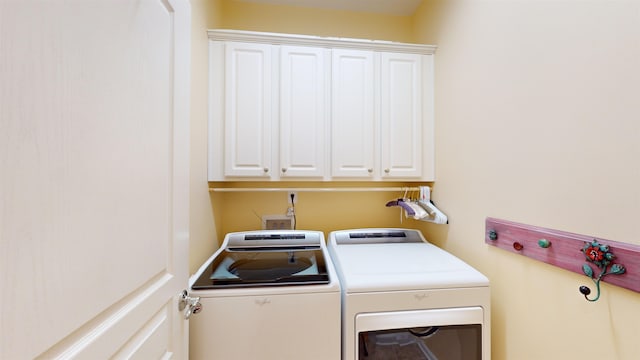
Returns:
point(599, 255)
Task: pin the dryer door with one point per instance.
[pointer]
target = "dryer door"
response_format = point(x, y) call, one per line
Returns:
point(439, 334)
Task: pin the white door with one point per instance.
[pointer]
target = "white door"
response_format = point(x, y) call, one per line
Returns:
point(302, 111)
point(94, 178)
point(352, 114)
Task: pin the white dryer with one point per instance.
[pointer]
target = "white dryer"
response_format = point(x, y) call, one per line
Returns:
point(269, 295)
point(403, 297)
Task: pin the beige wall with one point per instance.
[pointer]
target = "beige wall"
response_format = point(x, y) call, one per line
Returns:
point(323, 211)
point(297, 20)
point(205, 14)
point(537, 121)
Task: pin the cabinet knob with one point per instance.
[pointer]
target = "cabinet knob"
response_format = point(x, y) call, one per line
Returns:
point(386, 171)
point(284, 170)
point(266, 170)
point(370, 170)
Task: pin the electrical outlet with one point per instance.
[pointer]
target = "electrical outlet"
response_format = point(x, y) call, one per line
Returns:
point(277, 222)
point(293, 200)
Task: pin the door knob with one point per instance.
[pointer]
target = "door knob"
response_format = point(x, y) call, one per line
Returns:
point(191, 304)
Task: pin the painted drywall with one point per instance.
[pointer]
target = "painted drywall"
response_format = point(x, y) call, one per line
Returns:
point(299, 20)
point(202, 233)
point(537, 122)
point(323, 211)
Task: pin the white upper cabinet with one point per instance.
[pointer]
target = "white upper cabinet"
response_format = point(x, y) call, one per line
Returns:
point(401, 119)
point(352, 114)
point(382, 115)
point(270, 104)
point(294, 107)
point(248, 118)
point(303, 111)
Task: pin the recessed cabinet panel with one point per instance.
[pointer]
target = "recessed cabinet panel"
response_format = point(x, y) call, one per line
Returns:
point(352, 114)
point(401, 115)
point(302, 111)
point(281, 316)
point(247, 120)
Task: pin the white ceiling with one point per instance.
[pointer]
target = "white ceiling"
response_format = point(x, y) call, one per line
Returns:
point(392, 7)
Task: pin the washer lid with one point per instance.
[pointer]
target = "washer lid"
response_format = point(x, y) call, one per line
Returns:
point(266, 267)
point(401, 266)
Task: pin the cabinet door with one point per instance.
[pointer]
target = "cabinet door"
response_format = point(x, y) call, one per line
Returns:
point(248, 109)
point(352, 115)
point(302, 111)
point(401, 115)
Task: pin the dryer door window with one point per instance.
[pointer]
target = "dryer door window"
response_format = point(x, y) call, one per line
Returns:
point(453, 342)
point(436, 334)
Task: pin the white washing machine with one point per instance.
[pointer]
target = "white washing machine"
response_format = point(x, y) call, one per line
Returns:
point(268, 295)
point(403, 297)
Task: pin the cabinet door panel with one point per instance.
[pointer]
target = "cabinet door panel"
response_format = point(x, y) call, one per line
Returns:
point(247, 109)
point(278, 327)
point(352, 123)
point(401, 115)
point(302, 111)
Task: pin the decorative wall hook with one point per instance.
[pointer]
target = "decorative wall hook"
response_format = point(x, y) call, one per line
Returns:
point(544, 243)
point(599, 255)
point(570, 252)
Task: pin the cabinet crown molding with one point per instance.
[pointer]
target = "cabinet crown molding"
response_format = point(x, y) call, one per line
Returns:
point(328, 42)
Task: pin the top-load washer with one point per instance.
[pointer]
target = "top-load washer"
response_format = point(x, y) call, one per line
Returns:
point(269, 295)
point(403, 297)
